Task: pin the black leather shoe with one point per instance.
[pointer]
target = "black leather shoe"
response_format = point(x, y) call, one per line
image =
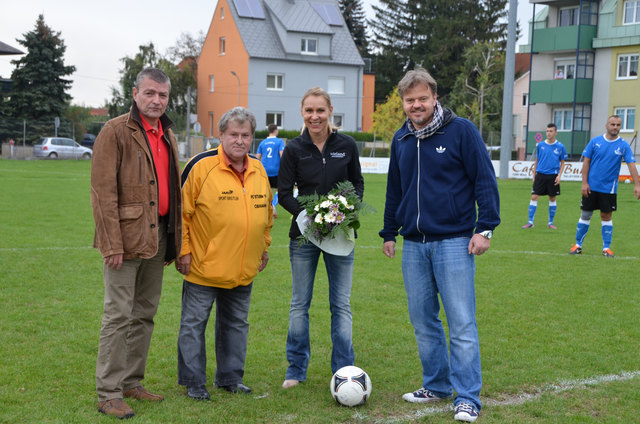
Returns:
point(198, 393)
point(235, 388)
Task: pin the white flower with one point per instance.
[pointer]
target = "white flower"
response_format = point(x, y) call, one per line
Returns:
point(317, 208)
point(342, 200)
point(332, 197)
point(318, 218)
point(325, 204)
point(329, 218)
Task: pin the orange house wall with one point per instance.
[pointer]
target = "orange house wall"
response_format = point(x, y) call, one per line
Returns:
point(368, 97)
point(211, 62)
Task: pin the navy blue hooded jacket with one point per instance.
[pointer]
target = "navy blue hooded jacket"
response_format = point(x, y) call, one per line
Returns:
point(435, 184)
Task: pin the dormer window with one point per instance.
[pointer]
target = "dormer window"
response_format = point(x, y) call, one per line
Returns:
point(309, 46)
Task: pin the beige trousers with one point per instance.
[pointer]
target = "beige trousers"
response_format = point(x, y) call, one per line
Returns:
point(131, 297)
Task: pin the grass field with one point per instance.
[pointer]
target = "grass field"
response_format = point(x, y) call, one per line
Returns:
point(559, 334)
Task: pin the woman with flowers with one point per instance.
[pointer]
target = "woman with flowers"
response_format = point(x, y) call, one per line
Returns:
point(320, 162)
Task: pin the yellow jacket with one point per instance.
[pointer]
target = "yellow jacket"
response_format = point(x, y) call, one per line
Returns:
point(226, 226)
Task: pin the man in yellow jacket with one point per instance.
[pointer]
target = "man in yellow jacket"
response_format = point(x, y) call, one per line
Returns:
point(227, 219)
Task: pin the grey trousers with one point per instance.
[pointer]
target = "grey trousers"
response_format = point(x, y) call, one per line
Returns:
point(231, 332)
point(131, 297)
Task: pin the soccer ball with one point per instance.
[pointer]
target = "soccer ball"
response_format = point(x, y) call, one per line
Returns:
point(350, 386)
point(627, 181)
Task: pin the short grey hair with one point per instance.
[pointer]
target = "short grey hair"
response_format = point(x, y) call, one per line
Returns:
point(415, 77)
point(152, 73)
point(237, 114)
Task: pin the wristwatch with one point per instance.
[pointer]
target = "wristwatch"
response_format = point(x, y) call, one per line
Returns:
point(487, 234)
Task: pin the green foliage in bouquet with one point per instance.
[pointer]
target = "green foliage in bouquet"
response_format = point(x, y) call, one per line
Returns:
point(338, 210)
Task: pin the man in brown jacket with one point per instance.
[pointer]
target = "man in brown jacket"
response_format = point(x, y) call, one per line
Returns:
point(135, 195)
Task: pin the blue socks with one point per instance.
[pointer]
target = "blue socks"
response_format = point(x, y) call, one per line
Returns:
point(581, 232)
point(274, 203)
point(552, 211)
point(607, 234)
point(533, 205)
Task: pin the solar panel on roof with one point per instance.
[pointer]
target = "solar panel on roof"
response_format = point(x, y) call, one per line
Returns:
point(249, 9)
point(329, 13)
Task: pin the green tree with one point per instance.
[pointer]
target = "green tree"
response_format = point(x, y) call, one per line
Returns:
point(477, 93)
point(354, 16)
point(182, 75)
point(39, 90)
point(39, 84)
point(388, 116)
point(432, 34)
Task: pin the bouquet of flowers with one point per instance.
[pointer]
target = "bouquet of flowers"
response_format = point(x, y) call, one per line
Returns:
point(329, 221)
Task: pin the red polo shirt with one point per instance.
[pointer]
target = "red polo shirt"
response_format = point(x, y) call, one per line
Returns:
point(160, 151)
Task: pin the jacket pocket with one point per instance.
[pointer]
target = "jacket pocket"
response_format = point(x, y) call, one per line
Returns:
point(132, 228)
point(213, 266)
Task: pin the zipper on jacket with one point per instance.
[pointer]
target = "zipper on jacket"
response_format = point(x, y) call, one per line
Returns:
point(139, 167)
point(424, 237)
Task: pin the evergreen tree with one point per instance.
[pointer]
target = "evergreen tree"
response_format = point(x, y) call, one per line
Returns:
point(433, 34)
point(39, 85)
point(354, 16)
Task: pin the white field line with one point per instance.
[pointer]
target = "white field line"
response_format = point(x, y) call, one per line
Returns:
point(24, 249)
point(513, 400)
point(286, 246)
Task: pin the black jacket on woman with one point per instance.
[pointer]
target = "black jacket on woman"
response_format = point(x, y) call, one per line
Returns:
point(316, 172)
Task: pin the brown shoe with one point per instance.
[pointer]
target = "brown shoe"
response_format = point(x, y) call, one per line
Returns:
point(140, 393)
point(116, 407)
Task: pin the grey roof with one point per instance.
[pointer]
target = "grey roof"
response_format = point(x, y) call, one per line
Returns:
point(7, 49)
point(261, 39)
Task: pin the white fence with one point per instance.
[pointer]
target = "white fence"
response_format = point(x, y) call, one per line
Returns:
point(518, 169)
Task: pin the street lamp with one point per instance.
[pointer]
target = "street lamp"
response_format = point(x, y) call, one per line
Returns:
point(238, 78)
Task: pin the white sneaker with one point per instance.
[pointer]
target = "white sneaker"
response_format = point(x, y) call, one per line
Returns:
point(466, 412)
point(289, 384)
point(422, 395)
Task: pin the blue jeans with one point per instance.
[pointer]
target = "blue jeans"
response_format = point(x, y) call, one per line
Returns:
point(304, 263)
point(447, 268)
point(232, 329)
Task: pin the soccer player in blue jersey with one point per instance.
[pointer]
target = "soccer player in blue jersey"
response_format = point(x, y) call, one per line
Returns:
point(602, 158)
point(269, 153)
point(547, 171)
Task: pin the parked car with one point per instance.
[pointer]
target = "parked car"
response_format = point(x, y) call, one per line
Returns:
point(88, 140)
point(59, 147)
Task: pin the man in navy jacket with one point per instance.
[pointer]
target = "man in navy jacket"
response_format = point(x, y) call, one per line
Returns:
point(442, 197)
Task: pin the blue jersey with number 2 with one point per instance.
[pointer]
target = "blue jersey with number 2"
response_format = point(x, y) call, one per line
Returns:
point(270, 149)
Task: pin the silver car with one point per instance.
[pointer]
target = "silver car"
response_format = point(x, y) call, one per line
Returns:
point(60, 147)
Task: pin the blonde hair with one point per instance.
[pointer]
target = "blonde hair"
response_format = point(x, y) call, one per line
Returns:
point(319, 92)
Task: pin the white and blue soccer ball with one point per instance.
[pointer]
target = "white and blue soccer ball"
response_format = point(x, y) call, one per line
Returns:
point(350, 386)
point(627, 181)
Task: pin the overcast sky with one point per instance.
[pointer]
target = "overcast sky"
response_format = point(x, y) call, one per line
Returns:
point(99, 34)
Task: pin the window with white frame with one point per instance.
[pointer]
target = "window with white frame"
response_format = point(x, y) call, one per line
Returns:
point(628, 66)
point(337, 119)
point(274, 81)
point(628, 116)
point(274, 118)
point(335, 85)
point(563, 118)
point(564, 69)
point(309, 46)
point(631, 14)
point(525, 99)
point(222, 45)
point(222, 13)
point(568, 16)
point(212, 84)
